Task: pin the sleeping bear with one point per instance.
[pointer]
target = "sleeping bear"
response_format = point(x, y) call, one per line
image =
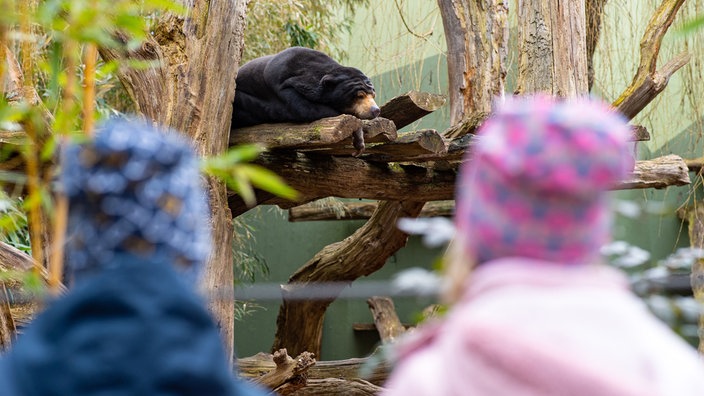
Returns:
point(301, 85)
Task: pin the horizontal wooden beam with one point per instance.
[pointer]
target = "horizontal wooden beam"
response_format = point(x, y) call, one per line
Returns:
point(347, 177)
point(315, 211)
point(320, 133)
point(661, 172)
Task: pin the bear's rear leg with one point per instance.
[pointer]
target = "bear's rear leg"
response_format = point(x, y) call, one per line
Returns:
point(358, 142)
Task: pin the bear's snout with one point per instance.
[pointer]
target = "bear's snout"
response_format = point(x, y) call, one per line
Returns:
point(366, 108)
point(375, 110)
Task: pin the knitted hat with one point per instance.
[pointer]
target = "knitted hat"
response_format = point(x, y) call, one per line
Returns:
point(535, 183)
point(134, 191)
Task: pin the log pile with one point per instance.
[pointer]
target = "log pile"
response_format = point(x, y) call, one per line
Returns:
point(317, 159)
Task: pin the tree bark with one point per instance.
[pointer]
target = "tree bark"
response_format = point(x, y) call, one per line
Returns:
point(323, 133)
point(594, 10)
point(552, 46)
point(286, 370)
point(477, 40)
point(7, 323)
point(359, 211)
point(329, 136)
point(347, 177)
point(411, 106)
point(661, 172)
point(645, 90)
point(254, 366)
point(24, 309)
point(386, 320)
point(191, 90)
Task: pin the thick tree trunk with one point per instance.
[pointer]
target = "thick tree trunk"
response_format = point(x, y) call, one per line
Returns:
point(191, 90)
point(552, 47)
point(594, 10)
point(477, 40)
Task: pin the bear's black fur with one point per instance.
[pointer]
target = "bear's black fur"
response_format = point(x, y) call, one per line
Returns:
point(300, 85)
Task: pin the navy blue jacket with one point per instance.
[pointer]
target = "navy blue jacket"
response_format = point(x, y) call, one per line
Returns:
point(135, 328)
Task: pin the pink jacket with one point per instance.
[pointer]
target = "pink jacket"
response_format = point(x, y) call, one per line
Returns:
point(534, 328)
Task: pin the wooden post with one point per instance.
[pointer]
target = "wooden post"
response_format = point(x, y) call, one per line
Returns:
point(552, 47)
point(477, 41)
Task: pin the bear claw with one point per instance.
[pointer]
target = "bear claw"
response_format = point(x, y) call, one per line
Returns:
point(358, 142)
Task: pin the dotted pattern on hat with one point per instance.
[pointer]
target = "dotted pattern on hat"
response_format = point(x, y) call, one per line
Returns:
point(134, 191)
point(535, 183)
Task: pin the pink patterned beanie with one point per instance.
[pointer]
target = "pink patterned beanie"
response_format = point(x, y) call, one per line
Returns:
point(535, 183)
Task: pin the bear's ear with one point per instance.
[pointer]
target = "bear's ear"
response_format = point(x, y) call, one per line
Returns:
point(328, 80)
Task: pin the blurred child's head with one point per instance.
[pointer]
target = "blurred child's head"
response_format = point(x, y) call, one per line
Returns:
point(134, 192)
point(535, 184)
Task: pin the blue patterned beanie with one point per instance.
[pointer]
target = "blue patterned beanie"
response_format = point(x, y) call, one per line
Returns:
point(134, 192)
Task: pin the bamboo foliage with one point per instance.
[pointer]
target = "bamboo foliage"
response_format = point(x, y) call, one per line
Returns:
point(50, 97)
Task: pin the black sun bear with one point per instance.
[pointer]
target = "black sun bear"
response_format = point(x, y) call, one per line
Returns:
point(301, 85)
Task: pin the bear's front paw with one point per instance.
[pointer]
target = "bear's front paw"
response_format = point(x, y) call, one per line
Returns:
point(358, 142)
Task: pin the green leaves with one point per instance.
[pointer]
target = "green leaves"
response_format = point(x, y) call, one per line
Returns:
point(98, 21)
point(692, 25)
point(231, 167)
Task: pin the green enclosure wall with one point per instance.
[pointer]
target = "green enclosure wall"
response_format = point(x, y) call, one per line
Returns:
point(404, 55)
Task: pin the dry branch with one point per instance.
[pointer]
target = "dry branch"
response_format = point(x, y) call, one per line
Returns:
point(13, 260)
point(261, 363)
point(378, 130)
point(286, 370)
point(648, 82)
point(386, 320)
point(695, 165)
point(649, 87)
point(661, 172)
point(411, 106)
point(467, 125)
point(359, 211)
point(640, 133)
point(7, 323)
point(411, 146)
point(329, 136)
